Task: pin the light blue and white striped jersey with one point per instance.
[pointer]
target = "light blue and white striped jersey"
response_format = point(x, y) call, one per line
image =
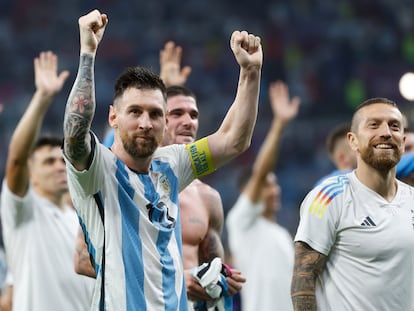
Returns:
point(142, 263)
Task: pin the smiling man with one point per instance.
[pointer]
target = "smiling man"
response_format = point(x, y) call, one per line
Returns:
point(356, 230)
point(201, 208)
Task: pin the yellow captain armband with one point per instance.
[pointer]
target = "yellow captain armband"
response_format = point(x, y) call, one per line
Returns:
point(200, 157)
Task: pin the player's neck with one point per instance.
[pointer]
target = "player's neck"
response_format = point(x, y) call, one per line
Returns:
point(56, 198)
point(139, 165)
point(382, 182)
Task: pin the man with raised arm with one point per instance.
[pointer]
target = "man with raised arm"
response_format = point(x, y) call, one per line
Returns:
point(261, 248)
point(201, 208)
point(127, 197)
point(39, 226)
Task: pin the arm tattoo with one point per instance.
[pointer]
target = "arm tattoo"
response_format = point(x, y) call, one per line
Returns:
point(304, 303)
point(80, 110)
point(309, 264)
point(210, 247)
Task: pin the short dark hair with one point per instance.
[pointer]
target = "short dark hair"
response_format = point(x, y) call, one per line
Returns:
point(47, 140)
point(337, 133)
point(140, 78)
point(176, 90)
point(376, 100)
point(368, 102)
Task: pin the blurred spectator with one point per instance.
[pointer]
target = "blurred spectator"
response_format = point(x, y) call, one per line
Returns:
point(39, 226)
point(340, 152)
point(261, 248)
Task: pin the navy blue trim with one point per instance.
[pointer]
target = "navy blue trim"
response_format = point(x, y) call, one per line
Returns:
point(99, 203)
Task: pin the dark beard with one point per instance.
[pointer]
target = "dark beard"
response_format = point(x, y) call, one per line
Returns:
point(140, 150)
point(382, 162)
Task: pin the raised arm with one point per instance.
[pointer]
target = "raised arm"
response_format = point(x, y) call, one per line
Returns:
point(171, 72)
point(235, 133)
point(309, 264)
point(80, 107)
point(284, 110)
point(48, 83)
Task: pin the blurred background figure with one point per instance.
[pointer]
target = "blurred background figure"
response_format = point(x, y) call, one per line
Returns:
point(39, 225)
point(405, 168)
point(261, 248)
point(409, 140)
point(340, 152)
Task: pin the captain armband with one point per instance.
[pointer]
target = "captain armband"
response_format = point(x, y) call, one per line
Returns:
point(200, 158)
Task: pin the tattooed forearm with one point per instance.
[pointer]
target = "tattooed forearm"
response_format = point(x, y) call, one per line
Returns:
point(210, 247)
point(76, 146)
point(309, 264)
point(80, 110)
point(304, 303)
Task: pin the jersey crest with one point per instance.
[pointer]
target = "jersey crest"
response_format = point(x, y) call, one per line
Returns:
point(165, 184)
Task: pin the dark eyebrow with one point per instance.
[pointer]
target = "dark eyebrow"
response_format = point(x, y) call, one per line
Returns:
point(158, 110)
point(50, 158)
point(175, 110)
point(181, 110)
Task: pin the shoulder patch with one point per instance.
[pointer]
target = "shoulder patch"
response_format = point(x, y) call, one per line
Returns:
point(328, 191)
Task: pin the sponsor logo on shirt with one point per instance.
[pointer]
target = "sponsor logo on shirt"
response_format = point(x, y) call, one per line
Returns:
point(368, 222)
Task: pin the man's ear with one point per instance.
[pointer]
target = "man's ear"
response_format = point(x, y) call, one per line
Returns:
point(112, 119)
point(352, 140)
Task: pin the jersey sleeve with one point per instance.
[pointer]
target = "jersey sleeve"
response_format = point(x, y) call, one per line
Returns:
point(319, 215)
point(88, 182)
point(178, 160)
point(14, 209)
point(243, 213)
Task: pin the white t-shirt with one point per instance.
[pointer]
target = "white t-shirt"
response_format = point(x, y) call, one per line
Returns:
point(263, 251)
point(369, 243)
point(40, 242)
point(143, 255)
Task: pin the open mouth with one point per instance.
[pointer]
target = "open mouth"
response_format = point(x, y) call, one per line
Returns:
point(384, 146)
point(187, 134)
